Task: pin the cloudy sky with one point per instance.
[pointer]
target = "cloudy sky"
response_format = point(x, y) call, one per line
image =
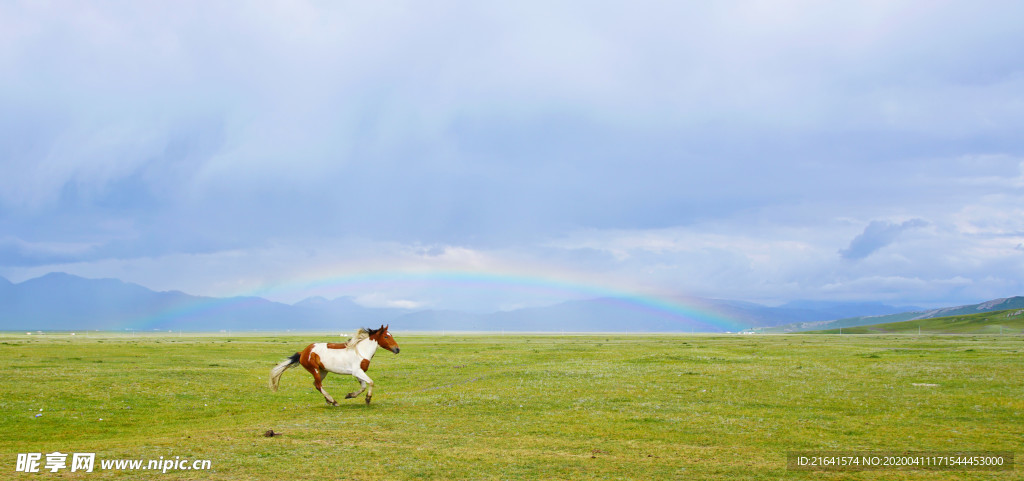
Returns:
point(756, 150)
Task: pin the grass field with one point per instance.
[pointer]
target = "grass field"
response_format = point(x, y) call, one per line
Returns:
point(514, 407)
point(998, 322)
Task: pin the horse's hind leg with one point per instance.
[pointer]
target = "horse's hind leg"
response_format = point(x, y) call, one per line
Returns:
point(312, 364)
point(318, 381)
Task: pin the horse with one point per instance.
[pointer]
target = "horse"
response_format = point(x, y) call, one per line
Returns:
point(352, 357)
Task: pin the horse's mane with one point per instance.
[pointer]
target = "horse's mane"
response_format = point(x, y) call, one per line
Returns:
point(361, 334)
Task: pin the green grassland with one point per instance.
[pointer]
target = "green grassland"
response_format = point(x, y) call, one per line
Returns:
point(514, 407)
point(998, 322)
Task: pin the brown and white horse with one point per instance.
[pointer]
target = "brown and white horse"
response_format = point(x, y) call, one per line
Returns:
point(352, 357)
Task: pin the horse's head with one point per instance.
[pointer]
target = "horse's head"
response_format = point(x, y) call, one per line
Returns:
point(384, 339)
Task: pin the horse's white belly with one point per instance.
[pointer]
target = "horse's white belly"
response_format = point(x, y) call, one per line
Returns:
point(338, 361)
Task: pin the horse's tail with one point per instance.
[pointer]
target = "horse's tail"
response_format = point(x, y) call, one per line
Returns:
point(278, 370)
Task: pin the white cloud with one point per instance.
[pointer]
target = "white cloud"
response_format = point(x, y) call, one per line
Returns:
point(377, 299)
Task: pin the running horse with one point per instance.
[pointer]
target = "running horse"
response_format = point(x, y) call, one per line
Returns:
point(352, 357)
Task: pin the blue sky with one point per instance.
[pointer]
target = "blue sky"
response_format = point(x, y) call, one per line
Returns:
point(755, 150)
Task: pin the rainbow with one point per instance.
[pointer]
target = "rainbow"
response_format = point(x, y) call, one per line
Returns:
point(685, 314)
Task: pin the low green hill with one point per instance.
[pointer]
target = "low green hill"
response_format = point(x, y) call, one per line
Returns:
point(1010, 321)
point(986, 307)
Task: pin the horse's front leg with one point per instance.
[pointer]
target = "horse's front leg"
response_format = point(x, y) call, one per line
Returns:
point(366, 382)
point(362, 385)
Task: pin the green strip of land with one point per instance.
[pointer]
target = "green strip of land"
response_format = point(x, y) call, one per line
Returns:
point(999, 322)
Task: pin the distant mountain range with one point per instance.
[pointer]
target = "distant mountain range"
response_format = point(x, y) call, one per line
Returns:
point(988, 306)
point(59, 301)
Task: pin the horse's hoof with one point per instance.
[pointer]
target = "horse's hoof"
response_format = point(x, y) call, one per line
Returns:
point(367, 400)
point(350, 395)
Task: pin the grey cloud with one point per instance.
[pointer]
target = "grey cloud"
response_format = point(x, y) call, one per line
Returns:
point(157, 130)
point(877, 235)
